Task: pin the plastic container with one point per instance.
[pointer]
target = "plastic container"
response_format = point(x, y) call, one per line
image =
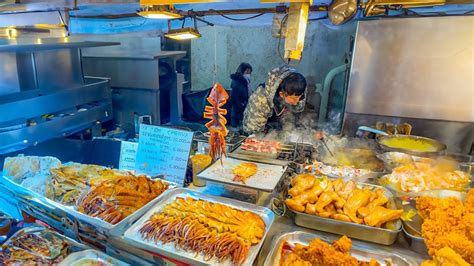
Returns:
point(199, 162)
point(90, 257)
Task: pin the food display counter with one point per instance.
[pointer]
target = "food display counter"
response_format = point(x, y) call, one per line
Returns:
point(104, 211)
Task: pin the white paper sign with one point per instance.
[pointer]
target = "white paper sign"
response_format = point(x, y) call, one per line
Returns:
point(164, 151)
point(128, 155)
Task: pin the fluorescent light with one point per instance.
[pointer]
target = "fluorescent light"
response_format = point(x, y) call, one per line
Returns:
point(159, 14)
point(183, 34)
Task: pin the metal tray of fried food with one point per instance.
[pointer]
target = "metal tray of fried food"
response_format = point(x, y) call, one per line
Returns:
point(364, 232)
point(132, 237)
point(72, 247)
point(55, 213)
point(266, 178)
point(360, 250)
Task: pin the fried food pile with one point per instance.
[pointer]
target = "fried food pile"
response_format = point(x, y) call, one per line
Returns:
point(445, 256)
point(34, 248)
point(114, 199)
point(428, 174)
point(211, 229)
point(340, 200)
point(244, 171)
point(319, 252)
point(66, 183)
point(448, 223)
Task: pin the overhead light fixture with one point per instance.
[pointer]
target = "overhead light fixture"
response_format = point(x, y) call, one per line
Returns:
point(183, 34)
point(159, 12)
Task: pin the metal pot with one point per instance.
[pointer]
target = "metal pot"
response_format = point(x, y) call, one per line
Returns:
point(439, 147)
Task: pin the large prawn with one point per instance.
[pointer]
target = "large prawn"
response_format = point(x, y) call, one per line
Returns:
point(217, 129)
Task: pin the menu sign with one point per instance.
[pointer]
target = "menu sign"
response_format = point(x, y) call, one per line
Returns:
point(163, 151)
point(128, 155)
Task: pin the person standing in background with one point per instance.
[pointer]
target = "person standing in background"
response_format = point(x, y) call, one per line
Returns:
point(240, 93)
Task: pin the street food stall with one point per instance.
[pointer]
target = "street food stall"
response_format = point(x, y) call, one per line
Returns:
point(92, 175)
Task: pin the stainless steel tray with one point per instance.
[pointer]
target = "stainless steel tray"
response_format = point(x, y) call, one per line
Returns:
point(56, 213)
point(360, 250)
point(73, 245)
point(358, 231)
point(416, 243)
point(266, 178)
point(132, 237)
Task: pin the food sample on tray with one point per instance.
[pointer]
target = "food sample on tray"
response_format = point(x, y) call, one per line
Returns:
point(448, 223)
point(211, 229)
point(340, 200)
point(265, 146)
point(244, 171)
point(318, 252)
point(30, 171)
point(34, 248)
point(427, 174)
point(113, 200)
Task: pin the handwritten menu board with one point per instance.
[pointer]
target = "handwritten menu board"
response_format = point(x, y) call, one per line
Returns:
point(128, 155)
point(163, 151)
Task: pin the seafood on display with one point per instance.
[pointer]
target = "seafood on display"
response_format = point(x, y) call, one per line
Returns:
point(427, 174)
point(337, 171)
point(30, 172)
point(217, 124)
point(244, 171)
point(340, 200)
point(34, 248)
point(67, 182)
point(114, 199)
point(318, 252)
point(212, 229)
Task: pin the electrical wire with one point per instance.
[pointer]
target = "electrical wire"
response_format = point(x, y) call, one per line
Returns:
point(236, 19)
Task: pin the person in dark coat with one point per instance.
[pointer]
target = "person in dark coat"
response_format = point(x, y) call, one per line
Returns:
point(240, 93)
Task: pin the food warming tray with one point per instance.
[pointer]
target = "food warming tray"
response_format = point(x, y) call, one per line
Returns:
point(364, 232)
point(132, 236)
point(266, 178)
point(48, 209)
point(360, 250)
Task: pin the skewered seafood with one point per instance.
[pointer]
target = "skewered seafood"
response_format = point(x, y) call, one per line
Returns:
point(212, 229)
point(217, 129)
point(266, 146)
point(115, 199)
point(448, 223)
point(340, 200)
point(244, 171)
point(319, 252)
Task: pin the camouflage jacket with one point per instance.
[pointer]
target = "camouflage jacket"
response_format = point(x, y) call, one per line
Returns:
point(260, 104)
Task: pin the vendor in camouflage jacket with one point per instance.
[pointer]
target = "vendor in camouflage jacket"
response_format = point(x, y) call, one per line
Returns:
point(275, 101)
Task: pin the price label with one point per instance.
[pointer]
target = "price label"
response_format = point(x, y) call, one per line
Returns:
point(163, 151)
point(128, 155)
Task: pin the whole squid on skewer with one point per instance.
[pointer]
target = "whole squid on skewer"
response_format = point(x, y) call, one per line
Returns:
point(217, 129)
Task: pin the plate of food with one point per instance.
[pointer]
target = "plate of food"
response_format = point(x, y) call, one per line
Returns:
point(422, 175)
point(359, 210)
point(300, 248)
point(242, 173)
point(200, 229)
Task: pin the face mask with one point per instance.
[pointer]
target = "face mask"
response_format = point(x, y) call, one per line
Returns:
point(247, 77)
